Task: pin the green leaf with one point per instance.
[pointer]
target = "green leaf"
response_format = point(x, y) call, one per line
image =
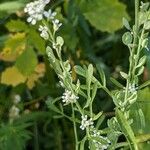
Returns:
point(140, 71)
point(97, 116)
point(124, 75)
point(82, 72)
point(102, 75)
point(147, 83)
point(60, 41)
point(94, 91)
point(51, 106)
point(147, 25)
point(16, 26)
point(127, 38)
point(104, 15)
point(127, 130)
point(27, 62)
point(89, 75)
point(50, 55)
point(114, 81)
point(141, 61)
point(126, 23)
point(11, 6)
point(36, 41)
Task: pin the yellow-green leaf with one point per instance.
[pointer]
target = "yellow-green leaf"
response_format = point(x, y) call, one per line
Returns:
point(12, 76)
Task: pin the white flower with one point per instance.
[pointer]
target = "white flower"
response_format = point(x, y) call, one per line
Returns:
point(56, 24)
point(69, 97)
point(35, 10)
point(14, 112)
point(44, 32)
point(16, 99)
point(85, 123)
point(133, 88)
point(49, 14)
point(97, 138)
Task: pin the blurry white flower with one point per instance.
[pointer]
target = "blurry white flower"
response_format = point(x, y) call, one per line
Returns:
point(49, 14)
point(69, 97)
point(56, 24)
point(44, 32)
point(133, 88)
point(16, 99)
point(35, 10)
point(85, 122)
point(97, 138)
point(14, 112)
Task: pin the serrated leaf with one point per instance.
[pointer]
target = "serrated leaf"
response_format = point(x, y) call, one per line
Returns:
point(12, 76)
point(127, 38)
point(104, 15)
point(16, 26)
point(27, 62)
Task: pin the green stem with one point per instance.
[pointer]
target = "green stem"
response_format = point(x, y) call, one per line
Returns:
point(75, 129)
point(131, 67)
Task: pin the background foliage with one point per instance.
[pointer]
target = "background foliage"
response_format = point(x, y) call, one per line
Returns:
point(92, 31)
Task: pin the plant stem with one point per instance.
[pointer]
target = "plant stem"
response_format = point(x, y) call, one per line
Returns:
point(75, 129)
point(131, 67)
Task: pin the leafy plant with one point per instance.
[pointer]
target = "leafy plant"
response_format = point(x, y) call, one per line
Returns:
point(75, 91)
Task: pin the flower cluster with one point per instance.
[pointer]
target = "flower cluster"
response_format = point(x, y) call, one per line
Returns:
point(44, 32)
point(85, 123)
point(133, 88)
point(69, 97)
point(14, 110)
point(35, 10)
point(95, 134)
point(56, 24)
point(49, 14)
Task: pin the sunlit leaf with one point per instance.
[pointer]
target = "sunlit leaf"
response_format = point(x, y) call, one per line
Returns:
point(12, 76)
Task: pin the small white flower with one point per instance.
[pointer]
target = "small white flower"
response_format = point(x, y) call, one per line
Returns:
point(85, 123)
point(14, 112)
point(69, 97)
point(133, 88)
point(49, 14)
point(16, 99)
point(44, 32)
point(35, 10)
point(56, 24)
